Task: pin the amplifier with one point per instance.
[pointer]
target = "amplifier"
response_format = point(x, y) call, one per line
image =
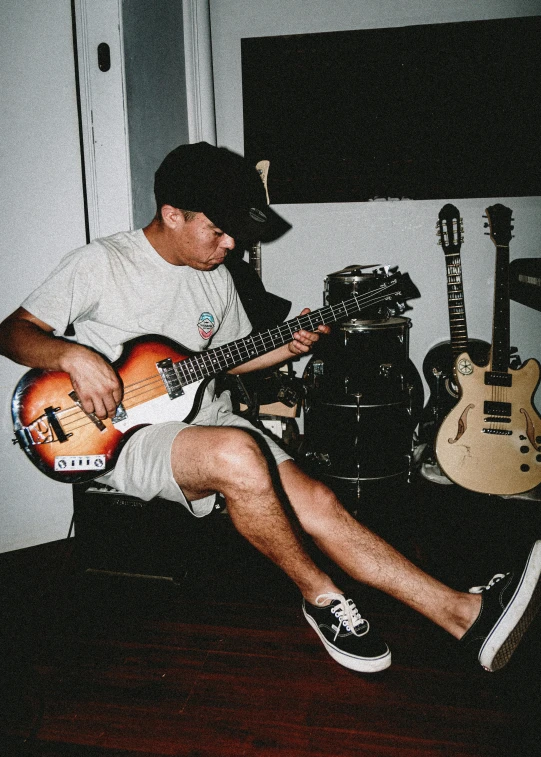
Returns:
point(122, 535)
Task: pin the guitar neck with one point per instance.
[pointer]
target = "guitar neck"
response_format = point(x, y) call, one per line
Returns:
point(255, 258)
point(211, 362)
point(455, 300)
point(500, 324)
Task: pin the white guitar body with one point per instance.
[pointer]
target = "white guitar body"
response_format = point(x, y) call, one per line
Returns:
point(162, 409)
point(493, 457)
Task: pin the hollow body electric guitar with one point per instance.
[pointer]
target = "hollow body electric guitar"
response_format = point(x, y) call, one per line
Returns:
point(162, 381)
point(490, 442)
point(440, 361)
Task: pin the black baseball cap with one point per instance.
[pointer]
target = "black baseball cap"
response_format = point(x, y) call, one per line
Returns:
point(224, 186)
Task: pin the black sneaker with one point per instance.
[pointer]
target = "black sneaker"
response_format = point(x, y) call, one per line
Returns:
point(509, 603)
point(345, 634)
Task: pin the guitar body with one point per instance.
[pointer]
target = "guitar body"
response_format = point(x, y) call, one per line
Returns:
point(492, 456)
point(88, 451)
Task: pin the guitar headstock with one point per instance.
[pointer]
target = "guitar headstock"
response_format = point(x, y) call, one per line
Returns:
point(262, 169)
point(499, 223)
point(398, 287)
point(449, 229)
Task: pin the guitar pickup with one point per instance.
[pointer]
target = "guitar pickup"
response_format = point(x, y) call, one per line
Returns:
point(496, 378)
point(100, 425)
point(497, 408)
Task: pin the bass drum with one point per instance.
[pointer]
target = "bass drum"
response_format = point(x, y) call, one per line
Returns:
point(364, 398)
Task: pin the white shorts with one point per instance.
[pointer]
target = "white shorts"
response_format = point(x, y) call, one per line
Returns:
point(143, 468)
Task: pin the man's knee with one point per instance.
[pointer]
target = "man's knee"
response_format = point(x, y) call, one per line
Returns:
point(318, 509)
point(239, 457)
point(205, 459)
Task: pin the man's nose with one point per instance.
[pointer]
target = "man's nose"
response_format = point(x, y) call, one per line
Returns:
point(228, 242)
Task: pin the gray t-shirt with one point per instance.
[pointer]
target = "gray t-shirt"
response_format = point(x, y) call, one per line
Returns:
point(118, 287)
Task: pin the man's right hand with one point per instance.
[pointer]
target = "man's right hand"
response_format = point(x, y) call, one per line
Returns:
point(98, 387)
point(30, 341)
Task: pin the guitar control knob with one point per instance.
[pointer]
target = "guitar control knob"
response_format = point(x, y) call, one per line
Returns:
point(525, 468)
point(524, 449)
point(538, 458)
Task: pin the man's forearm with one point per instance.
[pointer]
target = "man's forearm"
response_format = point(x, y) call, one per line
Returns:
point(26, 343)
point(275, 357)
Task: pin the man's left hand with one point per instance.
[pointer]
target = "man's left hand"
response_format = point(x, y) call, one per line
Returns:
point(303, 341)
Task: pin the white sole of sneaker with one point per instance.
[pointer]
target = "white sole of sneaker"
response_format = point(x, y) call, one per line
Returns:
point(359, 664)
point(504, 638)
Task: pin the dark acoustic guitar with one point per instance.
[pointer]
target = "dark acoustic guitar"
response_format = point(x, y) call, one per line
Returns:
point(491, 440)
point(162, 381)
point(439, 363)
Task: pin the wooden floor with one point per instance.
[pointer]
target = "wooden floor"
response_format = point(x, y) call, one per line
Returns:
point(222, 663)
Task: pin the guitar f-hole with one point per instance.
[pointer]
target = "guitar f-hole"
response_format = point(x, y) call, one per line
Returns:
point(462, 423)
point(530, 430)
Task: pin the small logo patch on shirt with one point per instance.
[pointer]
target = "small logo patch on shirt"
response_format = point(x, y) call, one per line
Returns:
point(206, 325)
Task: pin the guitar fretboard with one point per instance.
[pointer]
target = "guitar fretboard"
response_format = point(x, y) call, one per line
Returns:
point(500, 327)
point(212, 362)
point(455, 299)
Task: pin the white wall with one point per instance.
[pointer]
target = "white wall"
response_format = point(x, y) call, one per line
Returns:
point(327, 237)
point(42, 218)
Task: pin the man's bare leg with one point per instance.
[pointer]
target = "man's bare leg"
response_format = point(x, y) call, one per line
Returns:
point(491, 621)
point(207, 459)
point(369, 559)
point(238, 469)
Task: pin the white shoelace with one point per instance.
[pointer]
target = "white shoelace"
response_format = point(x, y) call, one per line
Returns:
point(494, 580)
point(346, 613)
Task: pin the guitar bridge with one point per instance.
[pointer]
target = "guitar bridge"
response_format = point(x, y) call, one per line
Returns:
point(169, 376)
point(44, 430)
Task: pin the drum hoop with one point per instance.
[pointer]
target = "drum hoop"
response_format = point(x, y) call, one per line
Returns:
point(346, 279)
point(367, 478)
point(399, 323)
point(368, 406)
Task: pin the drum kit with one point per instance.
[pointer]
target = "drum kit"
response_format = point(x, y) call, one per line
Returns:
point(363, 395)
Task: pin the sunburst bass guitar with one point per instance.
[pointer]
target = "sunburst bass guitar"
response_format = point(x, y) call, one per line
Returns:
point(162, 381)
point(490, 442)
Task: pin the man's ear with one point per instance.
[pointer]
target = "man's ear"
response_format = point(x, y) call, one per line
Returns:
point(172, 217)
